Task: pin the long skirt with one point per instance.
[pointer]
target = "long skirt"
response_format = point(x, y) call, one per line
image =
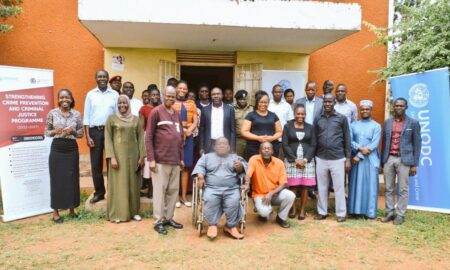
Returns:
point(189, 152)
point(64, 174)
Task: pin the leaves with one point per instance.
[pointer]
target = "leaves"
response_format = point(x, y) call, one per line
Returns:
point(9, 8)
point(420, 38)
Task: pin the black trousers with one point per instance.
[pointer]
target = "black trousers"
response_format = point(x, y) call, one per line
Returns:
point(98, 136)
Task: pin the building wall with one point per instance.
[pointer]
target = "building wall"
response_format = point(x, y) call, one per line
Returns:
point(349, 62)
point(141, 66)
point(275, 60)
point(48, 35)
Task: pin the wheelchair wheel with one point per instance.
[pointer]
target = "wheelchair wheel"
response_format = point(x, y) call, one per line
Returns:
point(242, 227)
point(199, 229)
point(194, 202)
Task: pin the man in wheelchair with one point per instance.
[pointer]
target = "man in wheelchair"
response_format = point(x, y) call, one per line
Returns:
point(219, 173)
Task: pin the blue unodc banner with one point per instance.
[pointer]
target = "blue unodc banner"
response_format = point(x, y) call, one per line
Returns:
point(428, 98)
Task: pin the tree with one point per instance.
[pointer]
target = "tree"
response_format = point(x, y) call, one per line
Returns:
point(9, 8)
point(420, 37)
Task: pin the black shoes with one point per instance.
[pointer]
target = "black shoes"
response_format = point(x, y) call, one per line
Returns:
point(97, 198)
point(340, 219)
point(59, 220)
point(159, 228)
point(282, 223)
point(387, 218)
point(320, 217)
point(262, 219)
point(311, 194)
point(399, 220)
point(173, 224)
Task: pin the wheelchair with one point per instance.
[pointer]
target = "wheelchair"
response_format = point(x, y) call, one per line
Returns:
point(198, 217)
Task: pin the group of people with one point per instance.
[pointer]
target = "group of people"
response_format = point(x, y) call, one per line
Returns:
point(277, 150)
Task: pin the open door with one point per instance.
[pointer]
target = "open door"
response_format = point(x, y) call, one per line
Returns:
point(248, 77)
point(167, 70)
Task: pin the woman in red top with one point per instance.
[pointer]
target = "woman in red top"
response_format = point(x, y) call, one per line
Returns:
point(151, 99)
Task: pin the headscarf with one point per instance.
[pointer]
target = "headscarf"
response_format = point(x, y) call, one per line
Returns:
point(127, 116)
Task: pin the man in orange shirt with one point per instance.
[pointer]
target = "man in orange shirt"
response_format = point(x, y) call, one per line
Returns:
point(268, 177)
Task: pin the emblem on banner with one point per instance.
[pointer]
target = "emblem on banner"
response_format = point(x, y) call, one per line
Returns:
point(419, 95)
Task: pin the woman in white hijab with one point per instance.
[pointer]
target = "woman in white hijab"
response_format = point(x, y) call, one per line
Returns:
point(125, 153)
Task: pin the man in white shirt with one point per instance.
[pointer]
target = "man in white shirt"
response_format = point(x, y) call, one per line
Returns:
point(311, 102)
point(100, 103)
point(281, 108)
point(345, 106)
point(135, 104)
point(217, 121)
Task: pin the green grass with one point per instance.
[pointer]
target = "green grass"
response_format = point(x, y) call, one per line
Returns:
point(307, 245)
point(424, 228)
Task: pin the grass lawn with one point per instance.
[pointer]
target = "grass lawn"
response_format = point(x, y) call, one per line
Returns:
point(90, 242)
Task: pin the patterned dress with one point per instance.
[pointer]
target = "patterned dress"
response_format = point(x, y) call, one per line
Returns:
point(299, 143)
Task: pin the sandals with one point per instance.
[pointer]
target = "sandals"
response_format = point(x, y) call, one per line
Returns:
point(300, 217)
point(291, 215)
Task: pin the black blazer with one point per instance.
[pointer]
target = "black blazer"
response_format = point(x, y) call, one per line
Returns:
point(229, 131)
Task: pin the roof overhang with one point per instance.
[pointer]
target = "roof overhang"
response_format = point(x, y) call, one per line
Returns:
point(272, 25)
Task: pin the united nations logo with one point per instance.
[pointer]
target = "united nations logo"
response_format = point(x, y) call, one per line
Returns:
point(419, 95)
point(285, 84)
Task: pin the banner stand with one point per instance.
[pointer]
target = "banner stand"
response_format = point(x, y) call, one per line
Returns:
point(26, 97)
point(428, 97)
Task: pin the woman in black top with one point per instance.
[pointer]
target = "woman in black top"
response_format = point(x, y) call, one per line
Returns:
point(299, 146)
point(261, 125)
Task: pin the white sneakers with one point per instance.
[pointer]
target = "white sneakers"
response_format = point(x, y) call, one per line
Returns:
point(137, 218)
point(186, 203)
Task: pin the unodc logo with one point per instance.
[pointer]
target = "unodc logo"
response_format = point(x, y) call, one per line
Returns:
point(419, 95)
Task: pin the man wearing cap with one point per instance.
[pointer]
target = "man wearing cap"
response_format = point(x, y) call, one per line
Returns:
point(241, 109)
point(100, 103)
point(363, 189)
point(164, 139)
point(116, 83)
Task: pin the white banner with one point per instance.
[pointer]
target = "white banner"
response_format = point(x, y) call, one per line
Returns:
point(295, 80)
point(26, 96)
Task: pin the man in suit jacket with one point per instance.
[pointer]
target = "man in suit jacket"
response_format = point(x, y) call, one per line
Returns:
point(312, 103)
point(400, 157)
point(216, 121)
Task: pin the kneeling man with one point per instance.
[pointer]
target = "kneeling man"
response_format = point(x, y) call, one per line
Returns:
point(268, 177)
point(219, 173)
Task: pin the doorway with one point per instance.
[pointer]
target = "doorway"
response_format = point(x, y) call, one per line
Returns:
point(211, 75)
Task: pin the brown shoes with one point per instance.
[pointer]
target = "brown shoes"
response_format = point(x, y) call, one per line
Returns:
point(212, 232)
point(233, 233)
